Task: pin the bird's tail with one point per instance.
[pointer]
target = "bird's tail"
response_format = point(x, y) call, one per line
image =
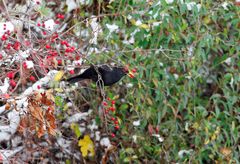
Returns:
point(74, 79)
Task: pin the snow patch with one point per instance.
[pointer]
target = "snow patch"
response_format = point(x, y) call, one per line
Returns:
point(105, 142)
point(50, 24)
point(136, 123)
point(29, 64)
point(71, 5)
point(6, 26)
point(5, 86)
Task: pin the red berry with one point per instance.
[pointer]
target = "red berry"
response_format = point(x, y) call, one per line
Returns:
point(71, 72)
point(60, 16)
point(1, 56)
point(117, 127)
point(9, 45)
point(63, 42)
point(113, 135)
point(47, 46)
point(17, 45)
point(59, 62)
point(32, 78)
point(77, 57)
point(104, 103)
point(10, 75)
point(25, 65)
point(13, 83)
point(4, 37)
point(57, 22)
point(66, 44)
point(38, 87)
point(112, 109)
point(113, 119)
point(134, 70)
point(116, 122)
point(39, 24)
point(113, 102)
point(108, 99)
point(44, 33)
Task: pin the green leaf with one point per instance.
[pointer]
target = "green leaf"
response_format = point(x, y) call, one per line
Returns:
point(76, 130)
point(123, 107)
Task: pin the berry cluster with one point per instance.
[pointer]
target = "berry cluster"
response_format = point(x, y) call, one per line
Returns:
point(109, 109)
point(35, 56)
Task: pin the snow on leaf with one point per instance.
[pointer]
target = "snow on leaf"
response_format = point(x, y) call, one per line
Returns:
point(50, 24)
point(71, 5)
point(8, 26)
point(29, 64)
point(87, 147)
point(112, 27)
point(6, 85)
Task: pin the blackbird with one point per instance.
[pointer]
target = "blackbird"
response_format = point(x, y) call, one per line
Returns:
point(109, 75)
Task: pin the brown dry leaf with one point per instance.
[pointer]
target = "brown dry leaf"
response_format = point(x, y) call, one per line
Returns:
point(45, 100)
point(26, 123)
point(23, 124)
point(36, 96)
point(36, 112)
point(40, 130)
point(51, 123)
point(226, 151)
point(40, 120)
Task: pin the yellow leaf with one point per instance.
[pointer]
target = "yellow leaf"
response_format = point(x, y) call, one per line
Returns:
point(133, 21)
point(58, 76)
point(155, 82)
point(206, 141)
point(87, 146)
point(139, 85)
point(144, 26)
point(149, 101)
point(116, 97)
point(206, 20)
point(59, 90)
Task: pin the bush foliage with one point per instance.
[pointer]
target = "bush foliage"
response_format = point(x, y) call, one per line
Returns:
point(183, 104)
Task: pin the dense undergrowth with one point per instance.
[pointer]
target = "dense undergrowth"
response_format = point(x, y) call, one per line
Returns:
point(183, 104)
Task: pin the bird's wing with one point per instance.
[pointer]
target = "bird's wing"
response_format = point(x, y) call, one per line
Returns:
point(89, 73)
point(105, 68)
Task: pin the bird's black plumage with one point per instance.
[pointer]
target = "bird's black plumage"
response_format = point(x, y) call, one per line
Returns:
point(109, 75)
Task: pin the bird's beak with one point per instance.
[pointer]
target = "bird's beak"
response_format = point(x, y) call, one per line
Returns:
point(129, 72)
